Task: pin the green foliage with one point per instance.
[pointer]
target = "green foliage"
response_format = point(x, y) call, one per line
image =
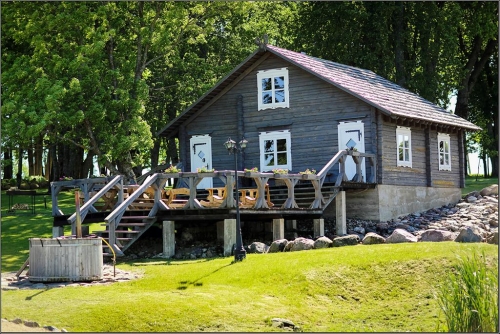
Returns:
point(469, 296)
point(308, 171)
point(204, 170)
point(280, 171)
point(172, 169)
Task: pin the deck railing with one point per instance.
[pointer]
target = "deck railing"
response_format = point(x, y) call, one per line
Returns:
point(158, 180)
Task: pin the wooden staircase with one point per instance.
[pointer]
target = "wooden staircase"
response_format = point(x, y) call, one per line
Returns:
point(129, 230)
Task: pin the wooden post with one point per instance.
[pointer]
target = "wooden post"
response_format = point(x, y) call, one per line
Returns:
point(278, 229)
point(57, 231)
point(229, 236)
point(341, 221)
point(168, 238)
point(78, 217)
point(319, 227)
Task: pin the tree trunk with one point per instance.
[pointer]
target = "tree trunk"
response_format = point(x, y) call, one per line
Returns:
point(31, 160)
point(88, 166)
point(8, 170)
point(399, 43)
point(55, 163)
point(155, 152)
point(19, 175)
point(39, 155)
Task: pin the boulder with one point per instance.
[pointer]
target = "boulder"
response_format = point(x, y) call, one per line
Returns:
point(284, 323)
point(493, 239)
point(258, 247)
point(300, 244)
point(469, 234)
point(322, 242)
point(372, 239)
point(278, 246)
point(400, 235)
point(348, 240)
point(382, 227)
point(359, 230)
point(288, 246)
point(471, 199)
point(491, 190)
point(437, 236)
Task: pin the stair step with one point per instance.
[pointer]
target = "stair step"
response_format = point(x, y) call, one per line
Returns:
point(104, 246)
point(122, 231)
point(128, 224)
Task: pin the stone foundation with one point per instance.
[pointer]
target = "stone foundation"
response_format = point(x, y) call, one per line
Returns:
point(387, 202)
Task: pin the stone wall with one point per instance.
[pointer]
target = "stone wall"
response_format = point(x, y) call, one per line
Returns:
point(387, 202)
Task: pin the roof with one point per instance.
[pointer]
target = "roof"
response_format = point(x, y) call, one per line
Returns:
point(388, 97)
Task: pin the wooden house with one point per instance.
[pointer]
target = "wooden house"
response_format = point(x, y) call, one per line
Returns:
point(380, 152)
point(297, 111)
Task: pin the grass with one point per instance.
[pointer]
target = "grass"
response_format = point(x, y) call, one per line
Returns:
point(469, 297)
point(364, 288)
point(471, 184)
point(382, 288)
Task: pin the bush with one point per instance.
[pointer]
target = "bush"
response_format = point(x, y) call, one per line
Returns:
point(469, 295)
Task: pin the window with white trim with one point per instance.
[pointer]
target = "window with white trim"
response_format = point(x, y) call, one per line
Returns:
point(275, 150)
point(403, 137)
point(444, 151)
point(273, 89)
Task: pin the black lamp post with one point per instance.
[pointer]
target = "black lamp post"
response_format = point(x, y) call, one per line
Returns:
point(239, 252)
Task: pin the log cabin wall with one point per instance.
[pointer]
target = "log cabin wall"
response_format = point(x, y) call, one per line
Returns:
point(425, 157)
point(316, 108)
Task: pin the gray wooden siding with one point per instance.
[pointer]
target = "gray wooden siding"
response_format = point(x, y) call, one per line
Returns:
point(443, 178)
point(425, 159)
point(314, 114)
point(405, 176)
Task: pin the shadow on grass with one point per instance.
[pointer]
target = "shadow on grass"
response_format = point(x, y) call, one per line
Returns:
point(168, 262)
point(36, 294)
point(183, 285)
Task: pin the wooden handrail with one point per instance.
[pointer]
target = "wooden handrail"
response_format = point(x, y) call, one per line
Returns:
point(113, 219)
point(120, 210)
point(89, 204)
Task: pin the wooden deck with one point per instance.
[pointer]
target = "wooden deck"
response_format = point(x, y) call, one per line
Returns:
point(128, 211)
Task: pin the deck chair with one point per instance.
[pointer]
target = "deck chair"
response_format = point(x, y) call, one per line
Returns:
point(215, 200)
point(169, 196)
point(248, 201)
point(172, 201)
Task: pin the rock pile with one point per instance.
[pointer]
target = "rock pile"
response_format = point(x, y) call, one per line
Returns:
point(474, 212)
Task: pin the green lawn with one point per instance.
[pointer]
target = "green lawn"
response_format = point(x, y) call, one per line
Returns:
point(471, 184)
point(380, 288)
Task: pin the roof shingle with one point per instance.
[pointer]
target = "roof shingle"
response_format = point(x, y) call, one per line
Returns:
point(375, 90)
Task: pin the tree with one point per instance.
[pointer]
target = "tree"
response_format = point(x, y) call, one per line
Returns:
point(406, 42)
point(483, 111)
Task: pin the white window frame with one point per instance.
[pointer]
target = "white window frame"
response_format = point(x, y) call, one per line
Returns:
point(401, 132)
point(275, 135)
point(280, 72)
point(445, 138)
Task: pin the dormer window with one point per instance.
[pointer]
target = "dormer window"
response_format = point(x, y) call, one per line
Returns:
point(273, 89)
